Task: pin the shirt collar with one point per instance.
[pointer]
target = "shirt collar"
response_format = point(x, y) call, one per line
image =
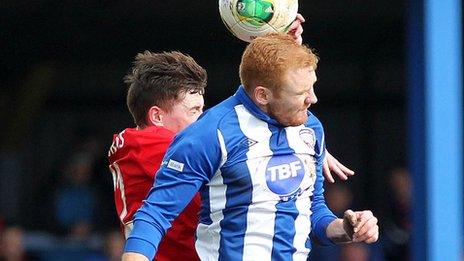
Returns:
point(243, 97)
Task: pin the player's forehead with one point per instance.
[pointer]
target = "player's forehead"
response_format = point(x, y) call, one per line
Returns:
point(191, 100)
point(299, 79)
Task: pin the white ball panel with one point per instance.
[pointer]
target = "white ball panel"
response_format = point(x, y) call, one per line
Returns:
point(285, 12)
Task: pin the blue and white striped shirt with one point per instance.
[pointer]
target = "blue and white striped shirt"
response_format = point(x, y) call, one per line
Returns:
point(261, 186)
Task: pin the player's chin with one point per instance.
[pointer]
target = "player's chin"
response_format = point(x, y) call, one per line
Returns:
point(303, 118)
point(297, 121)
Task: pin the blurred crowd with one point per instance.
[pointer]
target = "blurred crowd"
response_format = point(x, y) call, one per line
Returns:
point(77, 220)
point(394, 219)
point(83, 224)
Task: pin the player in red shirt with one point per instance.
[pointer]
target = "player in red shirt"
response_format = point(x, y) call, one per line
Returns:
point(166, 95)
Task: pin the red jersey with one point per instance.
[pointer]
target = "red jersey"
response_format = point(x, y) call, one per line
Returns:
point(135, 156)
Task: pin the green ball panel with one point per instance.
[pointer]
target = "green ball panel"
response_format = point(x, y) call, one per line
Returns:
point(255, 12)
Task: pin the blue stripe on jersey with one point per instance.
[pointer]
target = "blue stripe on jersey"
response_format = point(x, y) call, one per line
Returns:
point(308, 243)
point(284, 231)
point(238, 193)
point(205, 209)
point(284, 227)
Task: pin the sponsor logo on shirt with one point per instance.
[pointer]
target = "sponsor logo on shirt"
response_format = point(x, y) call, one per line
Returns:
point(175, 165)
point(284, 175)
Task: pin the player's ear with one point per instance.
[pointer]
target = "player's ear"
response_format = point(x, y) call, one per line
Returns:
point(262, 95)
point(155, 116)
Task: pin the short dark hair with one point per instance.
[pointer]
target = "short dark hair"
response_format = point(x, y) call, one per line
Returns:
point(159, 79)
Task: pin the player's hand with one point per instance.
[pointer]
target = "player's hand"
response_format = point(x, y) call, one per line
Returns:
point(361, 226)
point(296, 28)
point(332, 164)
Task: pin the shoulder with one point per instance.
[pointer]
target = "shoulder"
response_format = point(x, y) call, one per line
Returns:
point(151, 140)
point(155, 132)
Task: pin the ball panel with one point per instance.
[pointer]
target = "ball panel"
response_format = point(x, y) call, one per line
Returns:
point(248, 19)
point(248, 33)
point(228, 15)
point(255, 12)
point(286, 14)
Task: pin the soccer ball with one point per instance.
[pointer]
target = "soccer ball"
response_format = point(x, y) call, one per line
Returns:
point(248, 19)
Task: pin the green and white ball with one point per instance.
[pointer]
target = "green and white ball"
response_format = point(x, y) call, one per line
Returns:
point(248, 19)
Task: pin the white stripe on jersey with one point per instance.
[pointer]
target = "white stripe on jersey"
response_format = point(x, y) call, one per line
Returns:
point(208, 247)
point(302, 227)
point(302, 222)
point(118, 182)
point(260, 217)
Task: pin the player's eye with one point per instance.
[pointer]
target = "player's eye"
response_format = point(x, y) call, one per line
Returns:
point(196, 110)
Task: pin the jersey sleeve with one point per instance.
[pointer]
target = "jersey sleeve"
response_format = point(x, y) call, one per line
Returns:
point(322, 216)
point(191, 161)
